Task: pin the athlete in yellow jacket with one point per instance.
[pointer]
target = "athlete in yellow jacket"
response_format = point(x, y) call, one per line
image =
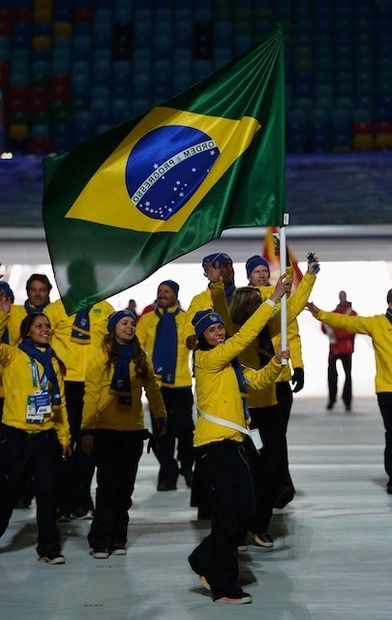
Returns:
point(221, 458)
point(34, 429)
point(161, 335)
point(379, 328)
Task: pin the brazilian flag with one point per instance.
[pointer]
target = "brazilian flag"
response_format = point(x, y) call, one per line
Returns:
point(123, 204)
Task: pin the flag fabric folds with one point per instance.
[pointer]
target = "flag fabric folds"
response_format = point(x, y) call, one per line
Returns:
point(274, 261)
point(123, 204)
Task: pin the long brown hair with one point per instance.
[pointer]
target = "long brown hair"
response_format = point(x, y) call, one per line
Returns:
point(111, 347)
point(239, 300)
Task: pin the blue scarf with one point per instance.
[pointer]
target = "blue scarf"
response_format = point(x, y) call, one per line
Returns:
point(44, 358)
point(242, 385)
point(229, 290)
point(81, 327)
point(266, 348)
point(121, 380)
point(164, 356)
point(35, 309)
point(388, 314)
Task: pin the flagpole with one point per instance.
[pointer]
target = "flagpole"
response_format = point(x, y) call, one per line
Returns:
point(283, 269)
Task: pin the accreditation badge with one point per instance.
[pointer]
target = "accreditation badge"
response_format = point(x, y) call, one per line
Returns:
point(32, 415)
point(42, 402)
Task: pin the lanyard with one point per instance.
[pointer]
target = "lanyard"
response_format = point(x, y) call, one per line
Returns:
point(43, 381)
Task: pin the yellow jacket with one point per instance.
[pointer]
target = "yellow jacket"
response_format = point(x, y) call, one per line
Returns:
point(16, 316)
point(102, 410)
point(293, 341)
point(18, 386)
point(75, 355)
point(201, 301)
point(250, 355)
point(217, 390)
point(380, 331)
point(13, 321)
point(146, 329)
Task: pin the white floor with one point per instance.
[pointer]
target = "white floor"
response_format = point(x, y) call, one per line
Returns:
point(331, 561)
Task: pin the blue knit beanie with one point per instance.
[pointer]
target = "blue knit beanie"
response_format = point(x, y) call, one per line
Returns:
point(4, 286)
point(173, 285)
point(115, 317)
point(219, 257)
point(255, 261)
point(203, 319)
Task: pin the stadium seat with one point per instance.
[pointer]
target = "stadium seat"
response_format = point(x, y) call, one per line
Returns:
point(62, 138)
point(121, 110)
point(337, 60)
point(383, 135)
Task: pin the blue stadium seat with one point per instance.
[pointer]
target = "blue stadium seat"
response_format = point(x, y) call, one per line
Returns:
point(140, 105)
point(103, 35)
point(103, 15)
point(242, 43)
point(62, 137)
point(123, 14)
point(222, 55)
point(184, 13)
point(182, 81)
point(80, 87)
point(101, 72)
point(182, 63)
point(202, 68)
point(100, 128)
point(122, 70)
point(163, 46)
point(223, 33)
point(142, 36)
point(81, 46)
point(122, 90)
point(121, 110)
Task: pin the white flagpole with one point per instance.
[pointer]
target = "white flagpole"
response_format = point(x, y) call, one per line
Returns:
point(283, 269)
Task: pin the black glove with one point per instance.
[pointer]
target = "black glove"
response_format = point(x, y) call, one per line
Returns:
point(298, 379)
point(152, 442)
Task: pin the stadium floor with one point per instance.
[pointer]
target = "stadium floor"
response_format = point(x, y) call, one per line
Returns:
point(331, 560)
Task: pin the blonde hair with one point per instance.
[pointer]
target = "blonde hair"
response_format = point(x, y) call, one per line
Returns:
point(239, 300)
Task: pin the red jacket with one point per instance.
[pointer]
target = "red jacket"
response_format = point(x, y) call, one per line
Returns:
point(340, 341)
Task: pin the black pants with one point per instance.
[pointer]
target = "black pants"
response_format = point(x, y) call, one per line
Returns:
point(385, 405)
point(226, 475)
point(117, 455)
point(346, 359)
point(270, 466)
point(178, 403)
point(36, 454)
point(76, 472)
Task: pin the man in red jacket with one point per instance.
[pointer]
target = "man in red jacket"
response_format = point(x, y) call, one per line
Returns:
point(341, 347)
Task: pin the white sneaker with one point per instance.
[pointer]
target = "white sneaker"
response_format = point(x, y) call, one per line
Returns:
point(52, 558)
point(119, 551)
point(87, 516)
point(264, 540)
point(100, 554)
point(242, 599)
